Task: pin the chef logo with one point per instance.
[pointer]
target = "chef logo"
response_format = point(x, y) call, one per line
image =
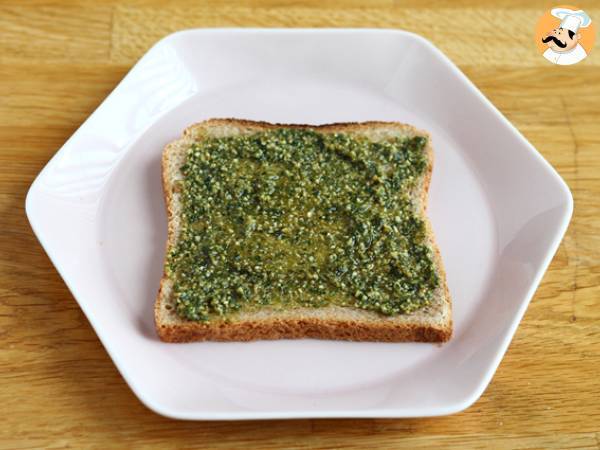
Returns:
point(565, 35)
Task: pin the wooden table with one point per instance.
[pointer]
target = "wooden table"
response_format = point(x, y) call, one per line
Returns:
point(58, 60)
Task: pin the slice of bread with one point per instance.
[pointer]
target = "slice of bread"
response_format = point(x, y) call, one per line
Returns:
point(432, 323)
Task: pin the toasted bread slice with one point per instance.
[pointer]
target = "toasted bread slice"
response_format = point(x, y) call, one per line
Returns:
point(433, 323)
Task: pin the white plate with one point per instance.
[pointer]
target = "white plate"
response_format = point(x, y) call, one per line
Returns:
point(499, 211)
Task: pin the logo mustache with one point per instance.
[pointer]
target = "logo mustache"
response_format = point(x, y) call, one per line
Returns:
point(555, 40)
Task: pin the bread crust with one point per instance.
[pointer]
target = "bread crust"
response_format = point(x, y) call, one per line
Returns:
point(301, 328)
point(299, 323)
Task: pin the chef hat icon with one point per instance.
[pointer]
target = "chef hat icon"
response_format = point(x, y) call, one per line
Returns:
point(570, 19)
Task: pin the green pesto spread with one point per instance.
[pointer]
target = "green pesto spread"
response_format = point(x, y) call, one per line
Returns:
point(293, 217)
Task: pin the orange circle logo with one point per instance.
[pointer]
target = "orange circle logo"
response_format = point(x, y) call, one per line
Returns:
point(565, 35)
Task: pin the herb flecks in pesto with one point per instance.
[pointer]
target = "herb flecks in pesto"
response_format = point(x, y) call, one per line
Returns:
point(292, 217)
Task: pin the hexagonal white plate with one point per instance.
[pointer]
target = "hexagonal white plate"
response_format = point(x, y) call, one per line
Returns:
point(499, 211)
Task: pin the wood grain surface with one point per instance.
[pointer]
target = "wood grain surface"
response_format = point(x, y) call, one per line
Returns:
point(58, 61)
